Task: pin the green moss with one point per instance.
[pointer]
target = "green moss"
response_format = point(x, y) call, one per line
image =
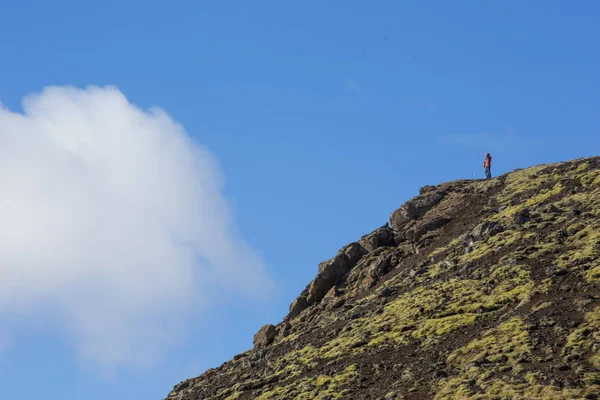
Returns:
point(322, 380)
point(433, 328)
point(454, 243)
point(583, 252)
point(428, 313)
point(502, 347)
point(591, 379)
point(532, 378)
point(436, 270)
point(583, 167)
point(586, 338)
point(535, 200)
point(592, 178)
point(541, 306)
point(294, 362)
point(510, 339)
point(322, 386)
point(484, 186)
point(521, 181)
point(492, 245)
point(234, 396)
point(589, 200)
point(341, 345)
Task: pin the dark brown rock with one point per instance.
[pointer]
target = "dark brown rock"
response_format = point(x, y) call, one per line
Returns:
point(415, 208)
point(485, 230)
point(299, 305)
point(381, 237)
point(331, 271)
point(265, 336)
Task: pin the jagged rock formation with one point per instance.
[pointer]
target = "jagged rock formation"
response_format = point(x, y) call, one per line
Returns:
point(475, 290)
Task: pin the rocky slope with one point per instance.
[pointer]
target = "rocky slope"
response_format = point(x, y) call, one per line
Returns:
point(475, 290)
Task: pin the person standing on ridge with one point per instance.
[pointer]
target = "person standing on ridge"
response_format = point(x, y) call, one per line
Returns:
point(487, 166)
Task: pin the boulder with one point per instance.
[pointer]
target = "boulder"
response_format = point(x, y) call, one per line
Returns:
point(380, 267)
point(284, 330)
point(354, 252)
point(381, 237)
point(426, 189)
point(299, 305)
point(468, 243)
point(485, 230)
point(331, 271)
point(182, 385)
point(371, 269)
point(416, 208)
point(385, 292)
point(265, 336)
point(481, 232)
point(522, 217)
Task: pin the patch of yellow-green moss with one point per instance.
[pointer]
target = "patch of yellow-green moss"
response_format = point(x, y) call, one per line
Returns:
point(485, 185)
point(428, 313)
point(436, 270)
point(341, 345)
point(522, 181)
point(591, 379)
point(322, 386)
point(542, 306)
point(510, 339)
point(530, 182)
point(586, 338)
point(234, 396)
point(583, 252)
point(455, 242)
point(227, 393)
point(588, 199)
point(296, 361)
point(489, 369)
point(589, 177)
point(289, 338)
point(534, 200)
point(436, 327)
point(492, 245)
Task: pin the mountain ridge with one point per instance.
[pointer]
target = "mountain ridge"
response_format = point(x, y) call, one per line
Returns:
point(475, 289)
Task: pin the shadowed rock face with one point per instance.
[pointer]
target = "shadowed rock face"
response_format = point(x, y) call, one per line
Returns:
point(332, 271)
point(381, 237)
point(474, 290)
point(265, 336)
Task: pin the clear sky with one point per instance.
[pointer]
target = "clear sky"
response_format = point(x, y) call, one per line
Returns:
point(311, 122)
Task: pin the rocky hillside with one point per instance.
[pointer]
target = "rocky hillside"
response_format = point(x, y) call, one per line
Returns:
point(474, 290)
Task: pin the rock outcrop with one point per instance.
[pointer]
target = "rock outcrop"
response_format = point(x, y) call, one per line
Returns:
point(265, 336)
point(475, 290)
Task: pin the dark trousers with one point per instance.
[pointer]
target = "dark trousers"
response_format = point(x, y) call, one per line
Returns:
point(488, 172)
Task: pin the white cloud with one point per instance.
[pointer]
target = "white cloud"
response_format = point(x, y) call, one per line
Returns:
point(113, 223)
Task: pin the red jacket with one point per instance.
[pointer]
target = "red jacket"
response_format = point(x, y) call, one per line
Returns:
point(488, 162)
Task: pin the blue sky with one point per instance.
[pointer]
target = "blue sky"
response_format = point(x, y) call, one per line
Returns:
point(323, 117)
